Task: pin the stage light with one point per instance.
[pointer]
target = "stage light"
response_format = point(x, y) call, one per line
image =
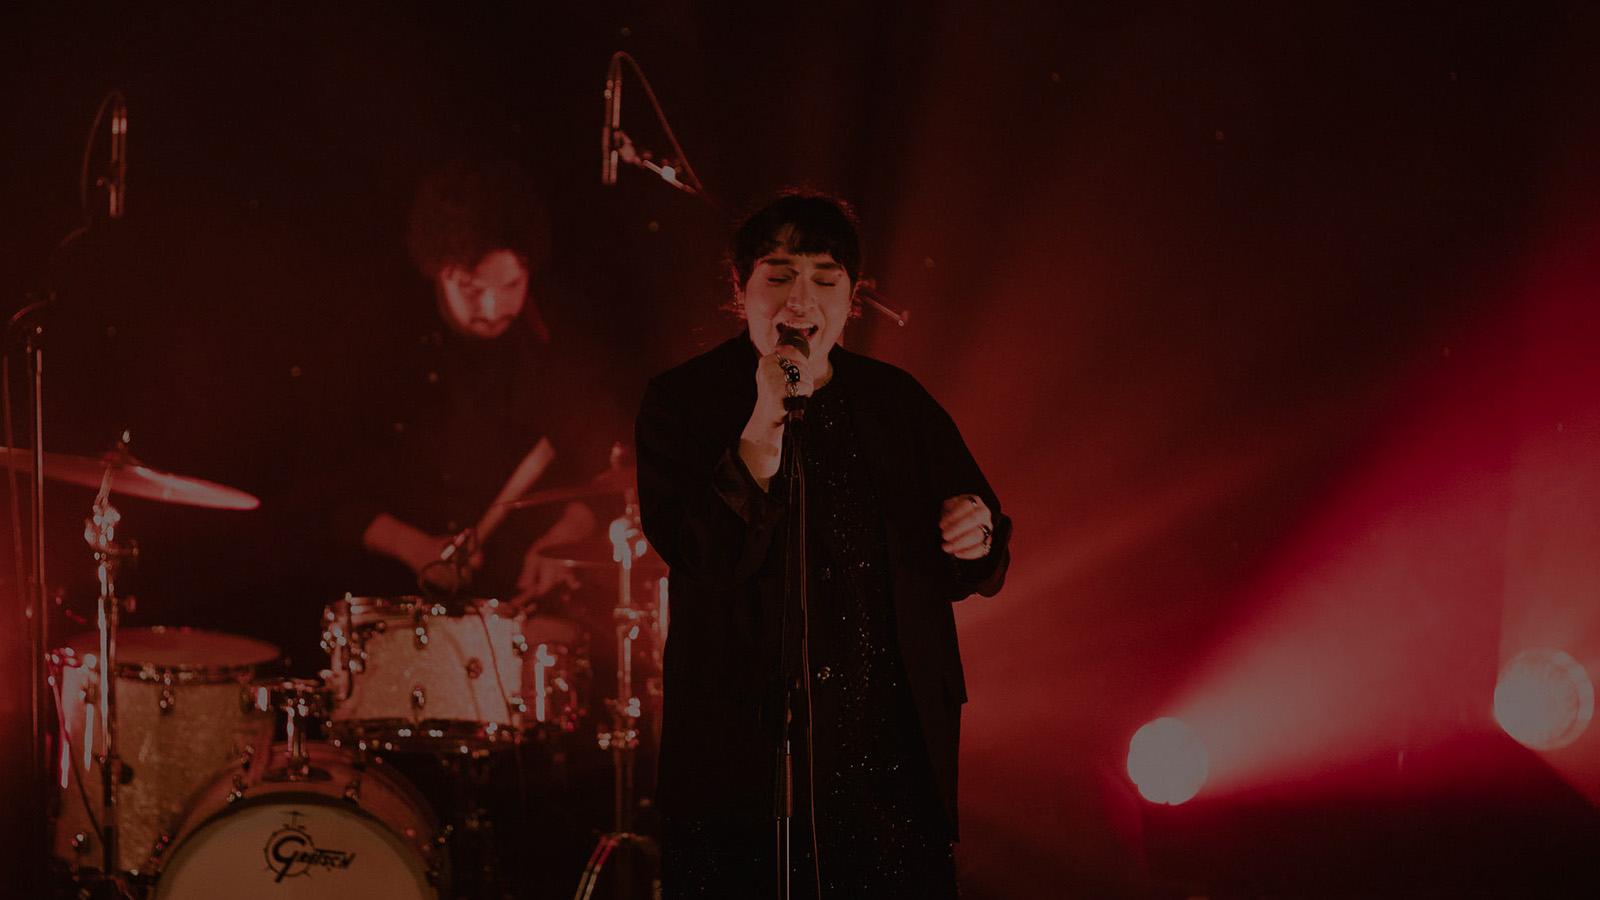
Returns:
point(1167, 762)
point(1544, 699)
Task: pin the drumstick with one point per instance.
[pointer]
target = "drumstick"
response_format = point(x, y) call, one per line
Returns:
point(527, 472)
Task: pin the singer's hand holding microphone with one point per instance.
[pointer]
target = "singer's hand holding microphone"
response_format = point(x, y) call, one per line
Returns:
point(787, 372)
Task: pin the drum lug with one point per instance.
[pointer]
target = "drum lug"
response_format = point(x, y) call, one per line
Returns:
point(252, 699)
point(437, 854)
point(474, 668)
point(352, 791)
point(419, 697)
point(333, 639)
point(163, 840)
point(82, 843)
point(167, 701)
point(358, 645)
point(239, 786)
point(519, 644)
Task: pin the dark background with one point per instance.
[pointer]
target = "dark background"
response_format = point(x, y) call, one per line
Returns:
point(1225, 297)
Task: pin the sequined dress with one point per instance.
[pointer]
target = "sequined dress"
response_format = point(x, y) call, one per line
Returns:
point(881, 830)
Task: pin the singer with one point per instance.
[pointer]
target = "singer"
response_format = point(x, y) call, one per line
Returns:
point(900, 524)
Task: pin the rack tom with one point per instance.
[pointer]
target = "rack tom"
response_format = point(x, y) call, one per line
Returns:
point(413, 674)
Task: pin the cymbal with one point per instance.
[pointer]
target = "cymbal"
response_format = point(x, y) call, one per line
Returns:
point(611, 483)
point(131, 478)
point(599, 554)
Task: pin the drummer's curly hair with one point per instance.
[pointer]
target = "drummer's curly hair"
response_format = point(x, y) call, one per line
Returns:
point(804, 220)
point(471, 208)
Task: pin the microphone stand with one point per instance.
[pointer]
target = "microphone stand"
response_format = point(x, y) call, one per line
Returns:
point(792, 673)
point(35, 603)
point(27, 326)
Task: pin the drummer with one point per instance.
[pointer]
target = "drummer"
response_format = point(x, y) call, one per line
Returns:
point(462, 403)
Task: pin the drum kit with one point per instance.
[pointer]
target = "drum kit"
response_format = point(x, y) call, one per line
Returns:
point(186, 767)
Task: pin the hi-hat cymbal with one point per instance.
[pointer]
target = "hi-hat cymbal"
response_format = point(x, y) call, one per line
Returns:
point(131, 478)
point(611, 483)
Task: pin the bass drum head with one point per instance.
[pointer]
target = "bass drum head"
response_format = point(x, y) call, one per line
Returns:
point(294, 847)
point(346, 829)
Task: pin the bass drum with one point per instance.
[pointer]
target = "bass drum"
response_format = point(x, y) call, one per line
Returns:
point(347, 830)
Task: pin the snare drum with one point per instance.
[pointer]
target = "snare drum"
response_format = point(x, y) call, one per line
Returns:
point(185, 709)
point(350, 829)
point(411, 674)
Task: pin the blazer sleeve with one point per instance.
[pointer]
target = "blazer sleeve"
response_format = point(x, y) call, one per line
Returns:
point(953, 471)
point(701, 508)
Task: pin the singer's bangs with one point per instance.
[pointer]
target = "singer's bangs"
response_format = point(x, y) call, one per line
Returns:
point(807, 224)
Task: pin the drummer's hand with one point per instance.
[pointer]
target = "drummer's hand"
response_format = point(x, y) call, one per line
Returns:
point(540, 575)
point(967, 527)
point(421, 552)
point(442, 574)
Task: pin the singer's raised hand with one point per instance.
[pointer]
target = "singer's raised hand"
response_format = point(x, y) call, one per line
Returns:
point(967, 527)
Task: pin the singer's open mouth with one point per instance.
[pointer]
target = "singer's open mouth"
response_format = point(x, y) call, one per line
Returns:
point(806, 330)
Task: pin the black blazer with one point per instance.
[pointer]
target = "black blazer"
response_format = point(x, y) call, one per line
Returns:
point(723, 537)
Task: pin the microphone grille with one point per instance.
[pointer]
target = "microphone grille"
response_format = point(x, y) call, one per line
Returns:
point(788, 338)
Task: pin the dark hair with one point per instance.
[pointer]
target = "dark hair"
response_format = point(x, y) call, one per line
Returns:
point(805, 222)
point(471, 208)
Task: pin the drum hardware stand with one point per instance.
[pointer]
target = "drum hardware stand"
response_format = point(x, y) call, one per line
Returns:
point(469, 837)
point(100, 533)
point(300, 699)
point(626, 711)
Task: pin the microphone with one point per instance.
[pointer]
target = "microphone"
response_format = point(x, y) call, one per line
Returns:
point(608, 150)
point(118, 188)
point(788, 337)
point(794, 403)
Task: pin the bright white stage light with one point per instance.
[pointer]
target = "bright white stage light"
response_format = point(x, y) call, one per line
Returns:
point(1167, 762)
point(1544, 699)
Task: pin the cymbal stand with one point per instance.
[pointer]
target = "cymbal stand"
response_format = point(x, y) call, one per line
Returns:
point(626, 711)
point(100, 532)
